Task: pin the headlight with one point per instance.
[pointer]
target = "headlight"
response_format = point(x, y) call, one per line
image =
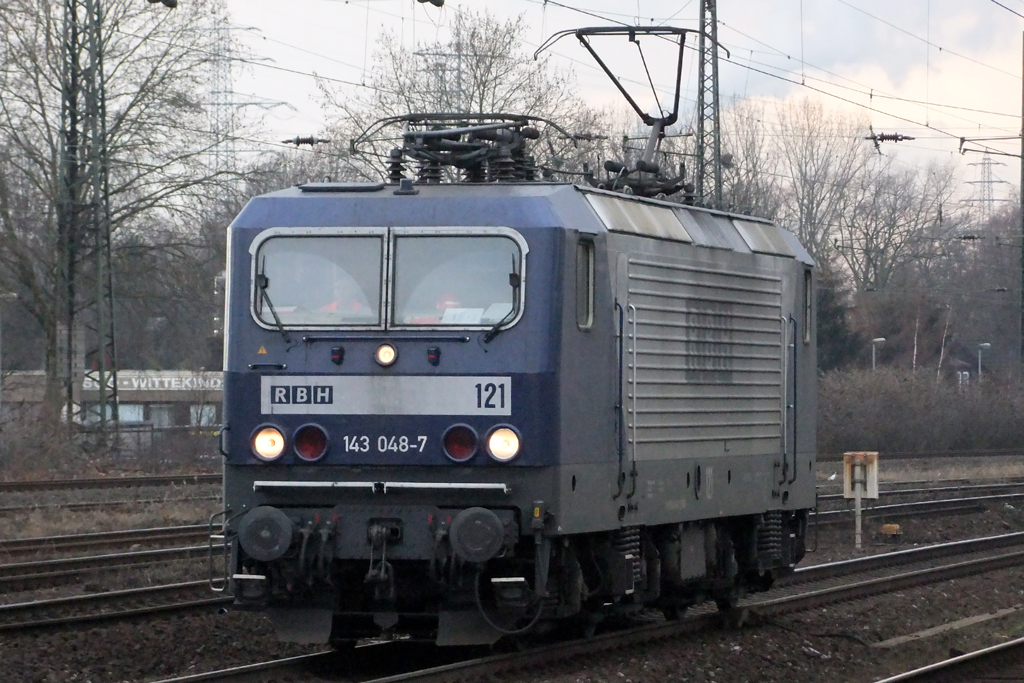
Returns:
point(268, 443)
point(503, 444)
point(386, 355)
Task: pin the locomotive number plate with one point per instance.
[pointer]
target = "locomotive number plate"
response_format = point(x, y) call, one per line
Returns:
point(384, 444)
point(377, 395)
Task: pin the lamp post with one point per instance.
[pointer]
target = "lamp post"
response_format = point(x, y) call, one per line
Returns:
point(981, 347)
point(4, 296)
point(874, 345)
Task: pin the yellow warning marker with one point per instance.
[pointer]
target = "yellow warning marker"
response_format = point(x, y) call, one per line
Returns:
point(891, 532)
point(262, 351)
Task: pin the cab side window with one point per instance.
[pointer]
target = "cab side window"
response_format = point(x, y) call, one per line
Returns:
point(584, 284)
point(808, 302)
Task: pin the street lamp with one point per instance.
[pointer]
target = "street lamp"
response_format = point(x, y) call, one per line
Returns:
point(874, 345)
point(981, 347)
point(4, 296)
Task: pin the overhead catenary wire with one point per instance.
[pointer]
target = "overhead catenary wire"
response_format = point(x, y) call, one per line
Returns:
point(873, 93)
point(870, 93)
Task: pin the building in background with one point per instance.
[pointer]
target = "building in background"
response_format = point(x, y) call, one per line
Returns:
point(160, 399)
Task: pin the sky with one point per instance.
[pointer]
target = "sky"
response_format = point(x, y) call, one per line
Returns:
point(937, 70)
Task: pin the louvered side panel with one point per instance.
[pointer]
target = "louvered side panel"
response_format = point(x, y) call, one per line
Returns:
point(705, 350)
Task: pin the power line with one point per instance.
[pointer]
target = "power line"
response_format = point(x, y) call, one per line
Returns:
point(925, 40)
point(874, 92)
point(870, 92)
point(1008, 9)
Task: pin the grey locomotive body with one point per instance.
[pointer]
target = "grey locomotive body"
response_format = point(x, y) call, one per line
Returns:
point(549, 403)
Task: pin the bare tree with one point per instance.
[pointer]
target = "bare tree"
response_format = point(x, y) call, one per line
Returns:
point(753, 179)
point(823, 153)
point(892, 219)
point(481, 68)
point(156, 69)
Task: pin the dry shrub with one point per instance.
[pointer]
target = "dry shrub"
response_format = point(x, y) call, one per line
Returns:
point(172, 451)
point(35, 448)
point(896, 411)
point(50, 522)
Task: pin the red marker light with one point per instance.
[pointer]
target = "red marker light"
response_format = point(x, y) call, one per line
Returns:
point(310, 442)
point(460, 443)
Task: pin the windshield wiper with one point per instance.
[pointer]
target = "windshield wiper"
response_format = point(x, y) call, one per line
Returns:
point(262, 281)
point(514, 281)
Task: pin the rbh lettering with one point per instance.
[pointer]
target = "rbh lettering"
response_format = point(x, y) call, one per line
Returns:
point(300, 394)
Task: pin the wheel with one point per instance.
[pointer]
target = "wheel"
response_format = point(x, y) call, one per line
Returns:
point(727, 603)
point(673, 612)
point(343, 646)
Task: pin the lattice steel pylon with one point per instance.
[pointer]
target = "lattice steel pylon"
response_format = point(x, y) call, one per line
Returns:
point(707, 178)
point(85, 280)
point(986, 184)
point(223, 121)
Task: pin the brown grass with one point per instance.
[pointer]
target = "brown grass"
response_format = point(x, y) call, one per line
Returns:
point(33, 448)
point(52, 523)
point(934, 469)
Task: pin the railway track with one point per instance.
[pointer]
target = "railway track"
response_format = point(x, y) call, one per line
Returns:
point(109, 606)
point(1003, 663)
point(110, 482)
point(42, 573)
point(948, 506)
point(792, 599)
point(193, 595)
point(103, 504)
point(928, 455)
point(34, 575)
point(899, 492)
point(107, 540)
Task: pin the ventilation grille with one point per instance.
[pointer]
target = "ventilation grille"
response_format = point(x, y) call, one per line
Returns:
point(705, 356)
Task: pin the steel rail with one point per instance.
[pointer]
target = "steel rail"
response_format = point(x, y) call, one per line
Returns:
point(40, 544)
point(94, 505)
point(917, 509)
point(803, 575)
point(289, 668)
point(970, 666)
point(111, 482)
point(21, 576)
point(551, 654)
point(927, 455)
point(928, 490)
point(830, 570)
point(12, 617)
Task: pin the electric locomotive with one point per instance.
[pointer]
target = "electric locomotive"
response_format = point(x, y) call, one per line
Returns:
point(461, 410)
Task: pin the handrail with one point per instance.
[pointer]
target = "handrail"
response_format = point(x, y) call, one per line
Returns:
point(796, 389)
point(632, 309)
point(784, 395)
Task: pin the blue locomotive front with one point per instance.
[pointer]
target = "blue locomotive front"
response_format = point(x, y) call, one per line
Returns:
point(391, 407)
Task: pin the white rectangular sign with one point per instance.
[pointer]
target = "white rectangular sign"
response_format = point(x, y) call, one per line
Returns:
point(384, 395)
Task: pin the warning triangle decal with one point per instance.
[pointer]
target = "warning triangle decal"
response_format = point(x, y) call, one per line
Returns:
point(262, 351)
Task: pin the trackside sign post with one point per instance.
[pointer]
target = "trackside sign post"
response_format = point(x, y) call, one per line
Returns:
point(860, 480)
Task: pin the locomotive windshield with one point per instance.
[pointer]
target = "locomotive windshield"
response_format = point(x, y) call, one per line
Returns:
point(438, 280)
point(456, 281)
point(320, 280)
